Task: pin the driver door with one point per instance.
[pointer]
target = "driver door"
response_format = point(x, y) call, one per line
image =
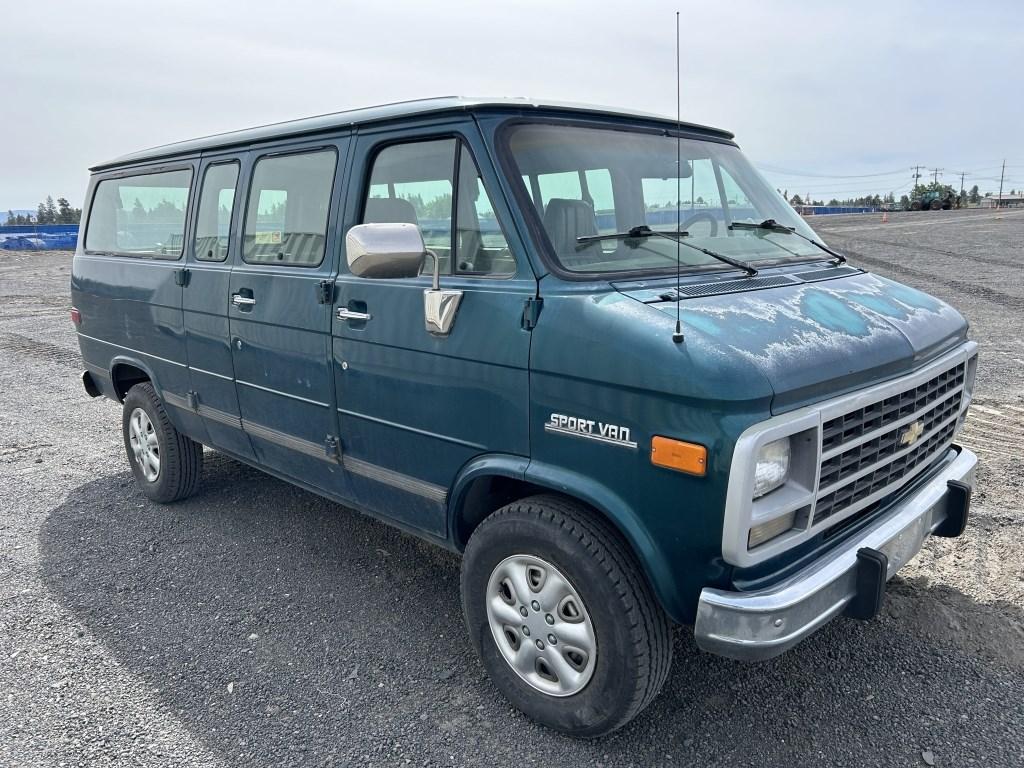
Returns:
point(414, 407)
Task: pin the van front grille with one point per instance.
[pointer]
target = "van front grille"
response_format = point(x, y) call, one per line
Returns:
point(850, 426)
point(876, 448)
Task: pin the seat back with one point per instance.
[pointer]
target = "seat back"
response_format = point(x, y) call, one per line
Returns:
point(389, 210)
point(565, 220)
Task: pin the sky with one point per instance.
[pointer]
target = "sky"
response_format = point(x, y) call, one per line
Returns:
point(819, 95)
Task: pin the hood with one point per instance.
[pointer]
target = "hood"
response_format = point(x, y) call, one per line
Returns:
point(817, 339)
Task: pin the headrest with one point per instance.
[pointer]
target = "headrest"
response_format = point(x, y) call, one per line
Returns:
point(389, 210)
point(565, 220)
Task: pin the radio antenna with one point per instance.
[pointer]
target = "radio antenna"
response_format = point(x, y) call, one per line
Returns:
point(677, 337)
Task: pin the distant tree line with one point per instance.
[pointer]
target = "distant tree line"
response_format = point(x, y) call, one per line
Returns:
point(972, 196)
point(48, 212)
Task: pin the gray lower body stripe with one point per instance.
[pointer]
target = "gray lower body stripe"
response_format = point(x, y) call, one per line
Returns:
point(213, 414)
point(176, 400)
point(395, 479)
point(220, 417)
point(287, 441)
point(356, 466)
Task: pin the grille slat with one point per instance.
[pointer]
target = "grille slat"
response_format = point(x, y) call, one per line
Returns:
point(859, 463)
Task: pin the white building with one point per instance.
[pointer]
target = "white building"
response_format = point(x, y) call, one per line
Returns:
point(1002, 201)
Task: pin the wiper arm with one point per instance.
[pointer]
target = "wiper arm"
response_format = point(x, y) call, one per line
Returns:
point(675, 236)
point(770, 225)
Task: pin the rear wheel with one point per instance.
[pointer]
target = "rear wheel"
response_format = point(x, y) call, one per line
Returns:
point(562, 617)
point(166, 463)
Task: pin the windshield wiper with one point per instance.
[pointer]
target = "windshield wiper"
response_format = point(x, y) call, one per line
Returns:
point(770, 225)
point(675, 236)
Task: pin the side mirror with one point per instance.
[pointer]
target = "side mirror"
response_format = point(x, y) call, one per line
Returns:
point(384, 251)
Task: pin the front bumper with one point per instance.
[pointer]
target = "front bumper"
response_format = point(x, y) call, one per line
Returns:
point(758, 625)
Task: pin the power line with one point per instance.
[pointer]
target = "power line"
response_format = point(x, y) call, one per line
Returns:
point(768, 168)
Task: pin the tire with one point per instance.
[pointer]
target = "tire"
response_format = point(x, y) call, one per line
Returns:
point(632, 641)
point(179, 459)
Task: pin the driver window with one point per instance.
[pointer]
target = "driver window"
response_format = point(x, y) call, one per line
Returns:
point(414, 184)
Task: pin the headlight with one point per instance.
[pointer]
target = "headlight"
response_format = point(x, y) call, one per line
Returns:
point(772, 467)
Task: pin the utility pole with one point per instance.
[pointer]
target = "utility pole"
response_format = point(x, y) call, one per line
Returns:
point(917, 174)
point(1002, 174)
point(961, 200)
point(935, 174)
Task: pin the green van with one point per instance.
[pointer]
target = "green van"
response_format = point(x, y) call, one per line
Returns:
point(592, 350)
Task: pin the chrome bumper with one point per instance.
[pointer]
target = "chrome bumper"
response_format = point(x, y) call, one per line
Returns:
point(753, 626)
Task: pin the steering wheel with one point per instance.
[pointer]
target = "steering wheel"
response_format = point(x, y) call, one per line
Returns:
point(700, 216)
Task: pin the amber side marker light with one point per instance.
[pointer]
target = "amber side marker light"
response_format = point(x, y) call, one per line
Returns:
point(675, 454)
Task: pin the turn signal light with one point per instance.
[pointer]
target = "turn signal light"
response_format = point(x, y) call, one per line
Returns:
point(675, 454)
point(76, 316)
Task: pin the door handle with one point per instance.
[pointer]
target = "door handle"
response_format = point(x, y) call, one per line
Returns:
point(242, 301)
point(344, 313)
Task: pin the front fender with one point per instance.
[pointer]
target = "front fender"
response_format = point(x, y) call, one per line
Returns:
point(583, 488)
point(625, 519)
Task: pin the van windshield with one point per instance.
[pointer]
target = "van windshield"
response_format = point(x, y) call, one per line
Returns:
point(593, 181)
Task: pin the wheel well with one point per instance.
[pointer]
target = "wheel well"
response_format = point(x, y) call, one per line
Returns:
point(485, 495)
point(125, 376)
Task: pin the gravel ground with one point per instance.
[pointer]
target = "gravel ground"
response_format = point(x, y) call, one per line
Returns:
point(256, 624)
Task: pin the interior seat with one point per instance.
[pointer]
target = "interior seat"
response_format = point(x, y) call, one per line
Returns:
point(565, 220)
point(389, 210)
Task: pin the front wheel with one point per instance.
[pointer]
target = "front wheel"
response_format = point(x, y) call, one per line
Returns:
point(562, 616)
point(166, 463)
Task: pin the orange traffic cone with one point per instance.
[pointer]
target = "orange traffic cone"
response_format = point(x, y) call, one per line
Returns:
point(885, 217)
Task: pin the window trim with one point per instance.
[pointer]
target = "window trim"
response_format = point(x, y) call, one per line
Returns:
point(142, 171)
point(374, 151)
point(199, 205)
point(308, 150)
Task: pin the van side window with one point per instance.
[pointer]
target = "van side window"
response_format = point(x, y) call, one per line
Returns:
point(413, 184)
point(140, 215)
point(216, 200)
point(289, 203)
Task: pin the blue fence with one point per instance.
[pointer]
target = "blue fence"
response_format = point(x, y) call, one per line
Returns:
point(824, 210)
point(32, 237)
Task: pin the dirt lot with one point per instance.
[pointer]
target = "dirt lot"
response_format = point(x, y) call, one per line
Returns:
point(258, 625)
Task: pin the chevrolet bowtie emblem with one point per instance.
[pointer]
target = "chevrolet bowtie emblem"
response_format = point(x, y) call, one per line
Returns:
point(910, 435)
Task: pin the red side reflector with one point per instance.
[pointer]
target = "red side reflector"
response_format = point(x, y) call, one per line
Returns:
point(76, 316)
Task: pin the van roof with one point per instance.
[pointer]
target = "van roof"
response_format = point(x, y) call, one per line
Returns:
point(399, 109)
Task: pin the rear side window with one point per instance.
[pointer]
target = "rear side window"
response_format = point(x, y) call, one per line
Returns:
point(289, 202)
point(216, 200)
point(140, 215)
